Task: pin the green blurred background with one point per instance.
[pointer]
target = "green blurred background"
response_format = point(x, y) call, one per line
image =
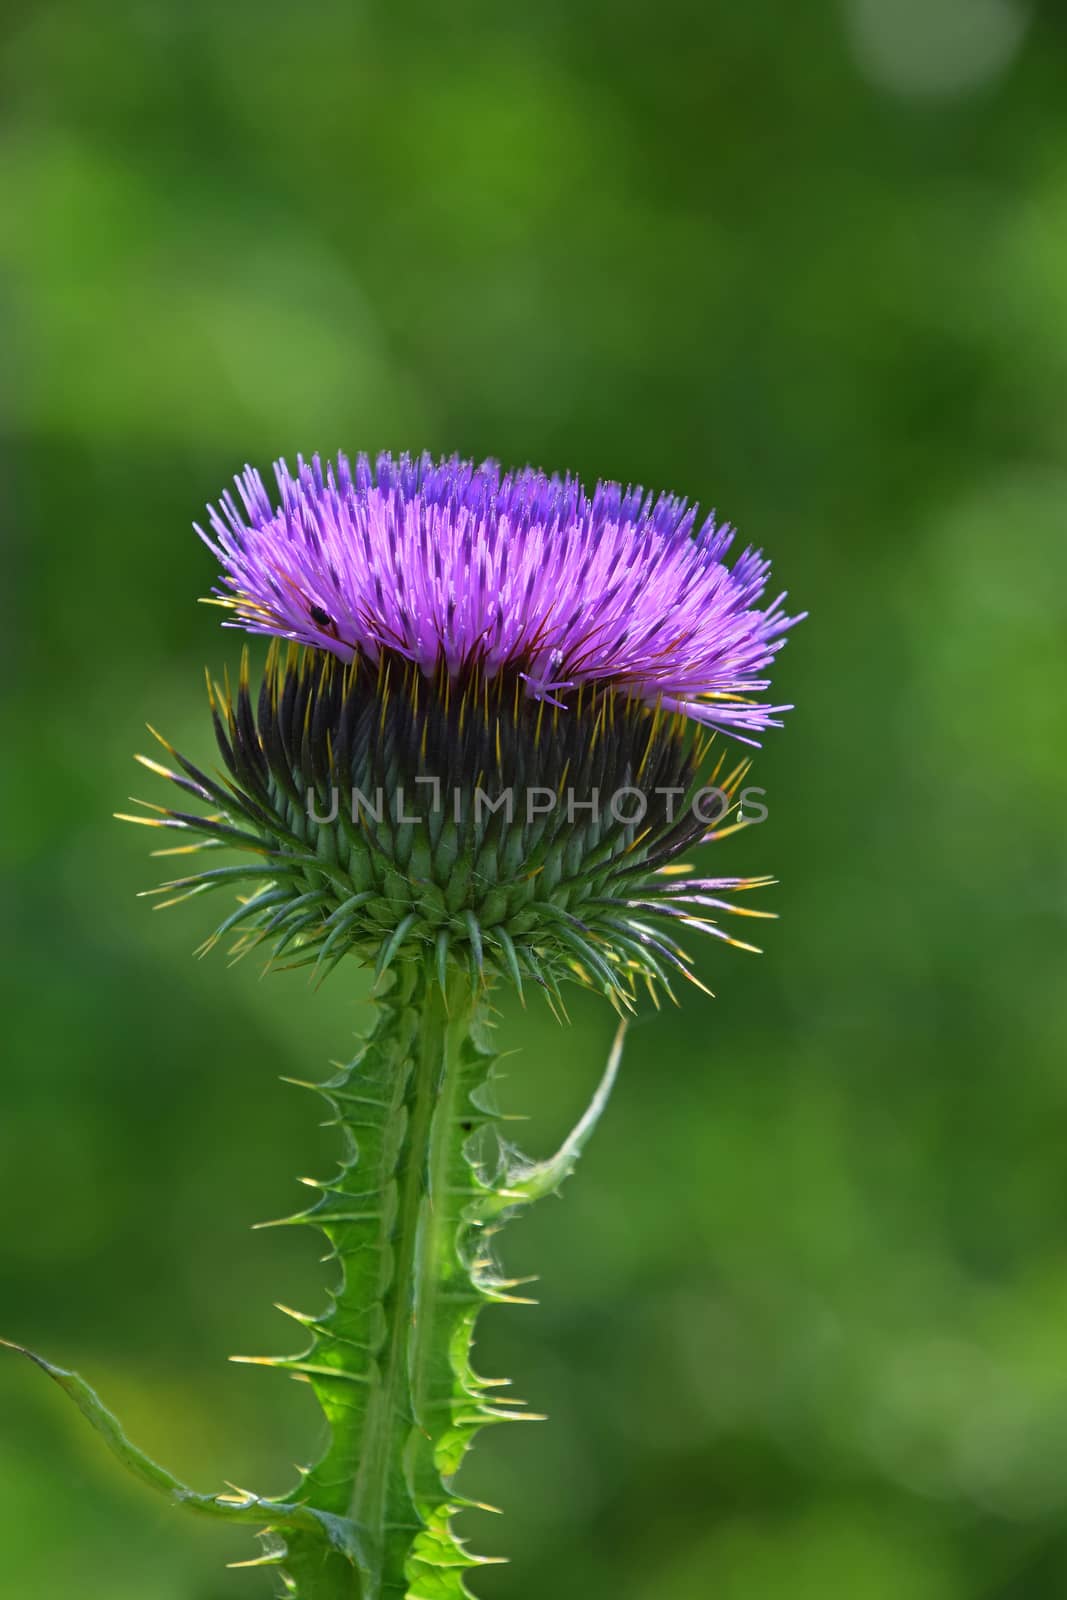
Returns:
point(803, 1321)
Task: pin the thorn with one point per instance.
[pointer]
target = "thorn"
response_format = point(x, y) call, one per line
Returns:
point(244, 1494)
point(304, 1321)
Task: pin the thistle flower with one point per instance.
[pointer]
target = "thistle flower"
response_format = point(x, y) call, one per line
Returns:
point(445, 564)
point(479, 746)
point(492, 743)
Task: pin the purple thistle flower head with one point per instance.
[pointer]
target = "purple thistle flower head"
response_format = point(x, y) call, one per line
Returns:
point(493, 746)
point(458, 567)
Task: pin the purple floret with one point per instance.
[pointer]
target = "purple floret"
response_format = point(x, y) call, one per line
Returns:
point(461, 565)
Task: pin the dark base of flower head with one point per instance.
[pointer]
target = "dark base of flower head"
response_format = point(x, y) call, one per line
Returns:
point(389, 811)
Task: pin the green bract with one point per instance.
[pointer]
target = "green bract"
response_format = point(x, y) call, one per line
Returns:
point(398, 814)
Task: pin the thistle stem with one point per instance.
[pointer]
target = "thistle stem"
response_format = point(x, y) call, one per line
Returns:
point(388, 1361)
point(410, 1215)
point(382, 1501)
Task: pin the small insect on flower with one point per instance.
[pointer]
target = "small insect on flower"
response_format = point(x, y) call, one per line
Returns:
point(484, 737)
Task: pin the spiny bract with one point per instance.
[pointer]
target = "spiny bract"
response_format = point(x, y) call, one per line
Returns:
point(390, 815)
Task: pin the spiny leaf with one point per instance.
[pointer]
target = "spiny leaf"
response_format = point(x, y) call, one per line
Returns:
point(242, 1506)
point(411, 1217)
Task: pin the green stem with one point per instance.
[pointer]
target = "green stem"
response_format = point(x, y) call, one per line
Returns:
point(410, 1216)
point(383, 1504)
point(388, 1360)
